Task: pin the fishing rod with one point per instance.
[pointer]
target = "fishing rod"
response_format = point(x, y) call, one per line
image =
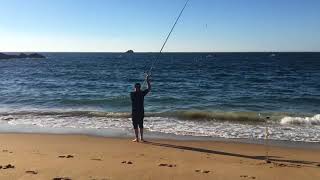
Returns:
point(266, 139)
point(165, 42)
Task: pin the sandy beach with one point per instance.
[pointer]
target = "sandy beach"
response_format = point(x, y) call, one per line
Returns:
point(43, 156)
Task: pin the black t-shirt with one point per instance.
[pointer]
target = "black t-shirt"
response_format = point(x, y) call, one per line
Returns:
point(137, 99)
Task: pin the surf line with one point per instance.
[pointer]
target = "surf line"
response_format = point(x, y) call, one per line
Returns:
point(164, 44)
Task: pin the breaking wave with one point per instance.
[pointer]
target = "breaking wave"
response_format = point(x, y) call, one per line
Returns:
point(246, 125)
point(315, 120)
point(238, 117)
point(182, 115)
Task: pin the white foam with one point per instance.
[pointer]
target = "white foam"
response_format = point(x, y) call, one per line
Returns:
point(232, 130)
point(285, 131)
point(315, 120)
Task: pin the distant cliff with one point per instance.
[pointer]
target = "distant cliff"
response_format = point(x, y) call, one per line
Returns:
point(21, 56)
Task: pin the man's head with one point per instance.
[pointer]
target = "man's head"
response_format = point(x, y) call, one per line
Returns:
point(137, 86)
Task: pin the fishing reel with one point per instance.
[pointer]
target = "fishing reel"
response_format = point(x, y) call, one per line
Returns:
point(146, 75)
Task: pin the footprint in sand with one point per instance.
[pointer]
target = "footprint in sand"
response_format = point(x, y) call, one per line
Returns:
point(202, 171)
point(9, 166)
point(96, 159)
point(246, 176)
point(67, 156)
point(167, 165)
point(31, 172)
point(99, 178)
point(4, 150)
point(61, 178)
point(7, 151)
point(126, 162)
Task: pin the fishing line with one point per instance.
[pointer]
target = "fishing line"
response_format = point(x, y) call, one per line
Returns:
point(165, 42)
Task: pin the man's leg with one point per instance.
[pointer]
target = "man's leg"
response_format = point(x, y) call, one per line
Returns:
point(141, 134)
point(141, 129)
point(135, 127)
point(137, 134)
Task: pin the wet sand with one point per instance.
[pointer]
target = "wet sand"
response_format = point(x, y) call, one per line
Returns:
point(43, 156)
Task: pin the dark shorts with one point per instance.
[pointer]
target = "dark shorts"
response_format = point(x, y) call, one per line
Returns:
point(137, 121)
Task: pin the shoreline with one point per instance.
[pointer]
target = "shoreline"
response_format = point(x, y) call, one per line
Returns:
point(125, 134)
point(170, 123)
point(48, 156)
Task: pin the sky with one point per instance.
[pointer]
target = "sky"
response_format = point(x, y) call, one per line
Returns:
point(142, 25)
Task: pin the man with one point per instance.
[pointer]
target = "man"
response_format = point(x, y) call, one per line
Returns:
point(137, 99)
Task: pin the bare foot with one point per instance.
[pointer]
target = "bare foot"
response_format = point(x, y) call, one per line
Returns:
point(135, 140)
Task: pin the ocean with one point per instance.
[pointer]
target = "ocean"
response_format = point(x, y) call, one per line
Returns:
point(218, 95)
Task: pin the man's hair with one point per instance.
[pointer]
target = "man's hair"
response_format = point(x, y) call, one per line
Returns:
point(137, 85)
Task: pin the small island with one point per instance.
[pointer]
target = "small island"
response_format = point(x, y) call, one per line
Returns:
point(22, 56)
point(129, 51)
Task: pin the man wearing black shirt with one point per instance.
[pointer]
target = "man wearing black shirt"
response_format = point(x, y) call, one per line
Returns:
point(137, 99)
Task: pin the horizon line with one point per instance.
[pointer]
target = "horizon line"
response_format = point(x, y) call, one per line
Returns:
point(161, 52)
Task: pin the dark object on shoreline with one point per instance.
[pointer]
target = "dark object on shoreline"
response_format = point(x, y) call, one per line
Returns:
point(22, 56)
point(130, 51)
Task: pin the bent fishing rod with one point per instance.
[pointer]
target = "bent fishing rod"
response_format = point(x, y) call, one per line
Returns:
point(148, 73)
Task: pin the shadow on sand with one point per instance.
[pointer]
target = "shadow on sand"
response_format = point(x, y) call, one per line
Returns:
point(271, 158)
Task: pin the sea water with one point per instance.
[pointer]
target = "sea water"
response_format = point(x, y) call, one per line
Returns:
point(228, 95)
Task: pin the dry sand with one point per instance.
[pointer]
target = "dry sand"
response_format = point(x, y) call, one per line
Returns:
point(40, 156)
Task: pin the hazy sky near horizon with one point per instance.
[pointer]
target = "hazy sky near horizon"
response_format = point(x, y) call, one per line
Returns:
point(142, 25)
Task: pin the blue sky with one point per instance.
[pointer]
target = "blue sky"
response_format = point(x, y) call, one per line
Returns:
point(142, 25)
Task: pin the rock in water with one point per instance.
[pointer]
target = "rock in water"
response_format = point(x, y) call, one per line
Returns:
point(130, 51)
point(4, 56)
point(36, 55)
point(21, 56)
